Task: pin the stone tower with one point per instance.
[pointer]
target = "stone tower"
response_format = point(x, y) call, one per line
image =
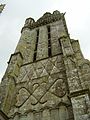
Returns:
point(47, 77)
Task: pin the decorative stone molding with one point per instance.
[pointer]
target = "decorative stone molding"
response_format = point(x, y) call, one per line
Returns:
point(81, 92)
point(45, 19)
point(14, 55)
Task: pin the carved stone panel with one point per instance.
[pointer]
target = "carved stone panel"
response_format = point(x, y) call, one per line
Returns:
point(81, 107)
point(22, 96)
point(59, 88)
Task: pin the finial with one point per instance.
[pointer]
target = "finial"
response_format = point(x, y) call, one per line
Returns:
point(56, 12)
point(29, 21)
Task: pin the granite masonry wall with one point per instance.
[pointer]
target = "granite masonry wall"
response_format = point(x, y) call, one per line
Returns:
point(47, 77)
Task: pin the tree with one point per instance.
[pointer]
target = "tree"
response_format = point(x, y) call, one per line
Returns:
point(2, 7)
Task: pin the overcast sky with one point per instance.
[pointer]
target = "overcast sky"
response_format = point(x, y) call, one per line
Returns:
point(16, 11)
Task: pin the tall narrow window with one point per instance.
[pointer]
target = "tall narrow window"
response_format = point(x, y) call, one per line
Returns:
point(49, 41)
point(35, 51)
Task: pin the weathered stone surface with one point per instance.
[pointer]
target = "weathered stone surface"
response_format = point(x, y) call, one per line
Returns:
point(22, 96)
point(42, 49)
point(63, 113)
point(81, 107)
point(26, 45)
point(57, 29)
point(47, 77)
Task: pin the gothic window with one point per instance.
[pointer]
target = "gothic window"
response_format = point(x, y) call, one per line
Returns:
point(35, 51)
point(49, 41)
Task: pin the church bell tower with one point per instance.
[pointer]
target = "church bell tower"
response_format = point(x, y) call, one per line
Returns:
point(47, 77)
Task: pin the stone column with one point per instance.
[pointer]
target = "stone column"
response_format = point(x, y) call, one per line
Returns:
point(79, 96)
point(11, 75)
